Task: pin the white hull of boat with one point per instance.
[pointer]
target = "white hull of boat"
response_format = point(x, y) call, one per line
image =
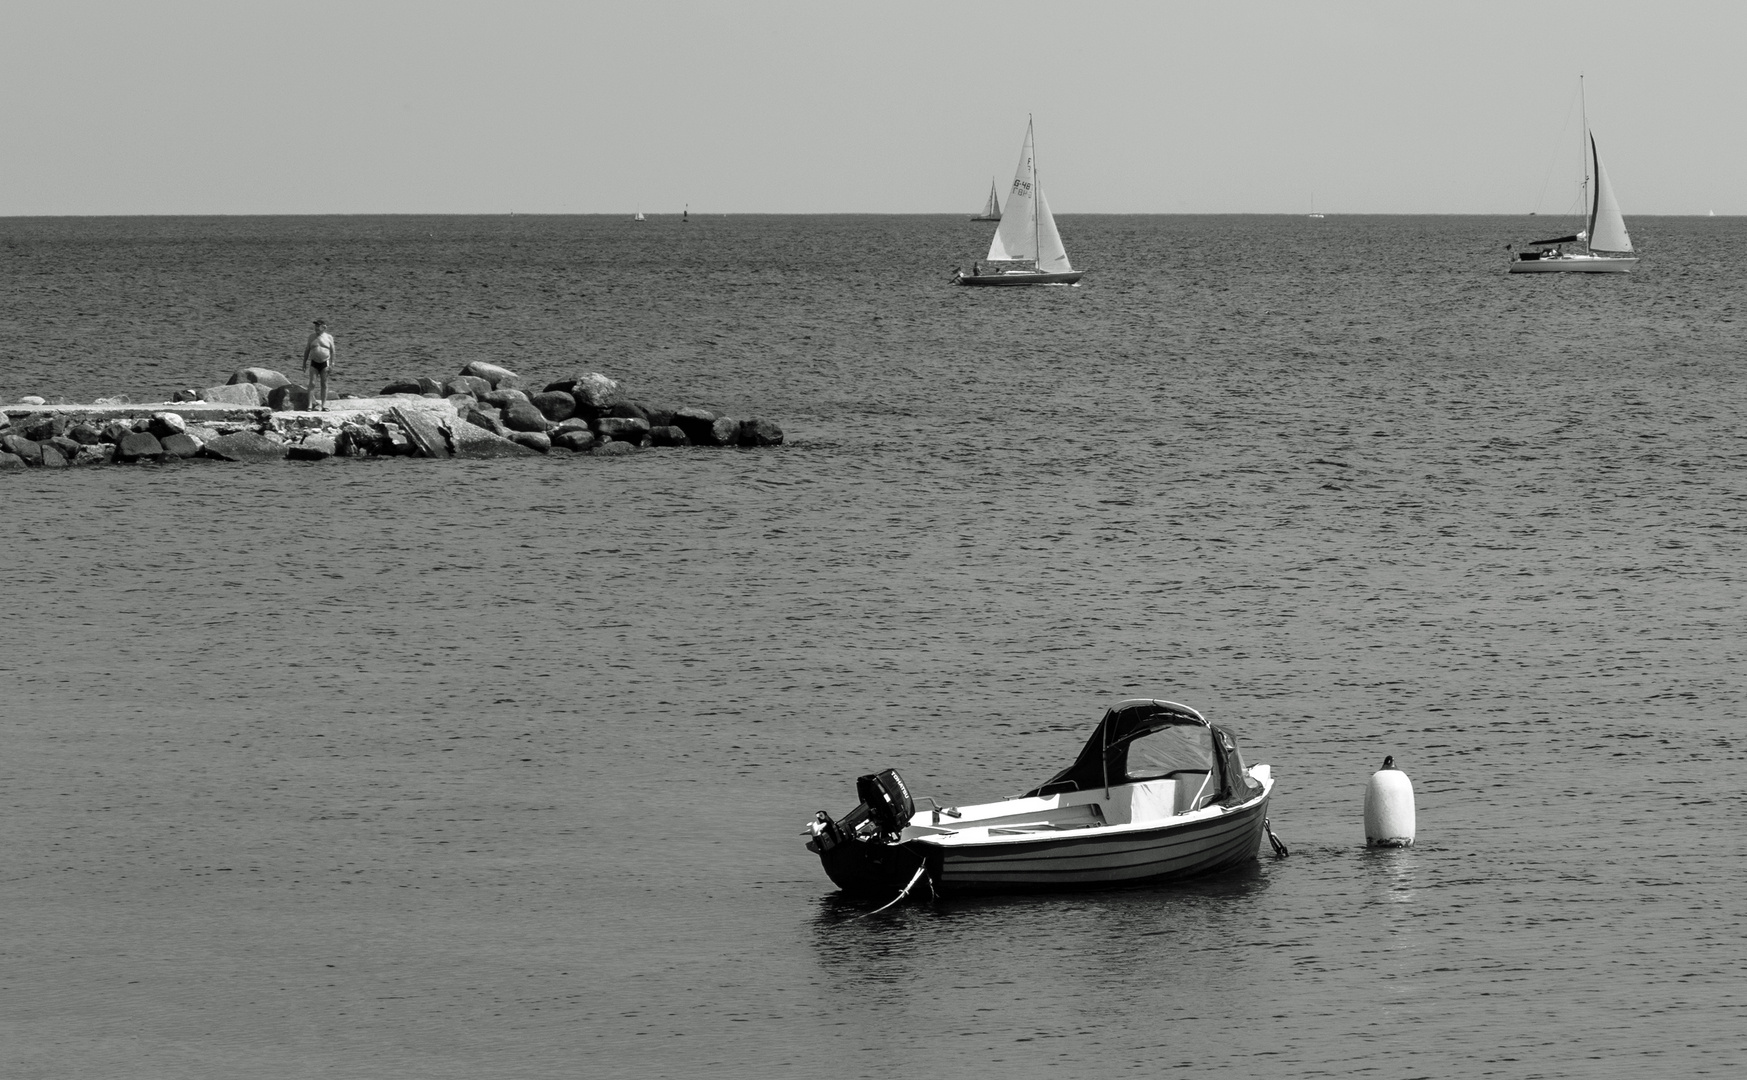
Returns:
point(1171, 850)
point(1573, 264)
point(1132, 834)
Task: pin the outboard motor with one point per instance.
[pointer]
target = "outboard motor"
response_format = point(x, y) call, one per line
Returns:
point(887, 800)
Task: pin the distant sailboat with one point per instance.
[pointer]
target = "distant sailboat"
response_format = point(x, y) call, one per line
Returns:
point(1313, 212)
point(991, 212)
point(1026, 235)
point(1604, 228)
point(639, 216)
point(685, 215)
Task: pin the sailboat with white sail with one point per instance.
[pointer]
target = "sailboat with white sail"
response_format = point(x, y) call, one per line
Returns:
point(1605, 246)
point(991, 211)
point(1027, 249)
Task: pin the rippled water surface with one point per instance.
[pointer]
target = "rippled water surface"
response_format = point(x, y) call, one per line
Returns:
point(463, 769)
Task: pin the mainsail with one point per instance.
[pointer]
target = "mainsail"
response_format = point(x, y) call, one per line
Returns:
point(1027, 232)
point(1607, 226)
point(1016, 238)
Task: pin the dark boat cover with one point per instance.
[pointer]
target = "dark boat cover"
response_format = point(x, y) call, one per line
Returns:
point(1191, 744)
point(1572, 239)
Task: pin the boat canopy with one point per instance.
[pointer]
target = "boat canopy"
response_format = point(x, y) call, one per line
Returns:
point(1572, 239)
point(1147, 739)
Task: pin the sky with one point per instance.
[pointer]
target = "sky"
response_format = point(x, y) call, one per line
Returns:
point(542, 106)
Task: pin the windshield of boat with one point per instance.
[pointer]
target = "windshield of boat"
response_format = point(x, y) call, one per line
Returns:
point(1178, 748)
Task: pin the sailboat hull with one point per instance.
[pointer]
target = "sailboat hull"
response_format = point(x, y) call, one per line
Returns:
point(1573, 264)
point(1021, 277)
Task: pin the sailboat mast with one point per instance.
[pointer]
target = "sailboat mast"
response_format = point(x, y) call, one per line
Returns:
point(1036, 196)
point(1583, 150)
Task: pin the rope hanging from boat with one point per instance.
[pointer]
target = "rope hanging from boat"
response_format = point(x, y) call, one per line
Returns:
point(921, 874)
point(1279, 845)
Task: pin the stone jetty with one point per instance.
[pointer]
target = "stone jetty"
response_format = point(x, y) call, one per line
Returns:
point(260, 415)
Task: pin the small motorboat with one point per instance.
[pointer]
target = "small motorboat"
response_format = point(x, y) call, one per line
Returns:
point(1158, 794)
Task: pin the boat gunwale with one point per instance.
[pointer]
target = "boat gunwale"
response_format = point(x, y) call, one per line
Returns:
point(1130, 830)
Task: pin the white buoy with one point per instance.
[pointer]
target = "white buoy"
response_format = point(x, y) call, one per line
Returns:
point(1389, 807)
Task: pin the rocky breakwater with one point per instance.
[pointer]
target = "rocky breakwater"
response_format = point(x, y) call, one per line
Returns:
point(260, 416)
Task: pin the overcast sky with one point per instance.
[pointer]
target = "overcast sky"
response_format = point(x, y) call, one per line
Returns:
point(184, 107)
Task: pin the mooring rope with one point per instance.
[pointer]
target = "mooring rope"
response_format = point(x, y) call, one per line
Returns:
point(921, 872)
point(1280, 850)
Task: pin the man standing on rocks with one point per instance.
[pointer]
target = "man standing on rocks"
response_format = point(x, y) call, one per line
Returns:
point(318, 356)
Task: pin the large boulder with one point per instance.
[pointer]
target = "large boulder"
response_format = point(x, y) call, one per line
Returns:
point(97, 454)
point(248, 393)
point(181, 444)
point(166, 423)
point(264, 376)
point(487, 419)
point(402, 386)
point(614, 448)
point(497, 376)
point(725, 431)
point(289, 398)
point(185, 395)
point(524, 417)
point(760, 433)
point(9, 460)
point(139, 446)
point(41, 427)
point(32, 399)
point(696, 423)
point(116, 430)
point(555, 405)
point(657, 415)
point(471, 385)
point(629, 409)
point(594, 394)
point(622, 429)
point(506, 397)
point(85, 434)
point(430, 386)
point(576, 439)
point(69, 448)
point(245, 446)
point(473, 441)
point(533, 440)
point(313, 448)
point(28, 449)
point(667, 435)
point(425, 430)
point(52, 458)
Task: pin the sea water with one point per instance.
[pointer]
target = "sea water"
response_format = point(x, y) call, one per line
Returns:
point(402, 768)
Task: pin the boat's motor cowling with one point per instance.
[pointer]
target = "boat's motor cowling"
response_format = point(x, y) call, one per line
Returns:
point(887, 800)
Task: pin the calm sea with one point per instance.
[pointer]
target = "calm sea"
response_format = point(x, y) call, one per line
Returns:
point(497, 769)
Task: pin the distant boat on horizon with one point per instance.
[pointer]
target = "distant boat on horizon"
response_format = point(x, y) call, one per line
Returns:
point(639, 216)
point(992, 211)
point(1313, 212)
